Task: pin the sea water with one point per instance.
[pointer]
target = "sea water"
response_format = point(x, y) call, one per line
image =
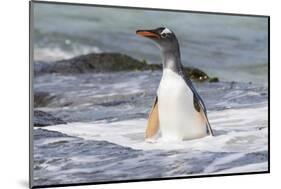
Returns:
point(107, 115)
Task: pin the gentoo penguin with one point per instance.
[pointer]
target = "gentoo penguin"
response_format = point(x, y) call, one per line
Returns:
point(178, 112)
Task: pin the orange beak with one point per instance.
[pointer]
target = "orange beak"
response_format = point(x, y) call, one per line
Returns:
point(147, 34)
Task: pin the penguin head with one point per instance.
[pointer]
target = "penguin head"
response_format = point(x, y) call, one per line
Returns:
point(164, 38)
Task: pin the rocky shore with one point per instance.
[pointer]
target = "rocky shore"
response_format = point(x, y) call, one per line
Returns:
point(42, 119)
point(109, 62)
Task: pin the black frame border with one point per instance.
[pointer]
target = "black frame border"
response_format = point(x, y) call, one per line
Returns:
point(132, 180)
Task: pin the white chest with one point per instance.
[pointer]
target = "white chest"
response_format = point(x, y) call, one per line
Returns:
point(177, 116)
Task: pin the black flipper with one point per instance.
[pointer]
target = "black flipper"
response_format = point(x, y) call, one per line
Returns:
point(198, 102)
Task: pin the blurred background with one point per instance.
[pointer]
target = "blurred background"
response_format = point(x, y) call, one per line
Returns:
point(234, 48)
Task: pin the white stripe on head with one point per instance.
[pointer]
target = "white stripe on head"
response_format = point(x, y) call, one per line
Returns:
point(166, 30)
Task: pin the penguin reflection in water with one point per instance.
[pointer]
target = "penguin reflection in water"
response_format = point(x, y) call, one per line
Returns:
point(178, 112)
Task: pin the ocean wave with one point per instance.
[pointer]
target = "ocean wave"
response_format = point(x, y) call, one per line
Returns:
point(54, 53)
point(234, 131)
point(102, 151)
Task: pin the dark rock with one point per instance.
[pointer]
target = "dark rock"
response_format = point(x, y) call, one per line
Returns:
point(42, 99)
point(107, 62)
point(101, 62)
point(214, 80)
point(41, 119)
point(196, 74)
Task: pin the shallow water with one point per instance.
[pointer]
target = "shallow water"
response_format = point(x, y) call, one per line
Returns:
point(91, 97)
point(106, 115)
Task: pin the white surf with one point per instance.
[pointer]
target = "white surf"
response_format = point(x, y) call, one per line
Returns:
point(235, 130)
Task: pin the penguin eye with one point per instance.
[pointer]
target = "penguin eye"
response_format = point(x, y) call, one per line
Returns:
point(164, 35)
